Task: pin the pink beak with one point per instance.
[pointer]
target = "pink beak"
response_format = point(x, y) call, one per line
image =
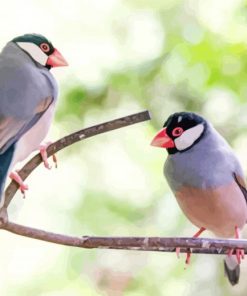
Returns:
point(162, 140)
point(56, 59)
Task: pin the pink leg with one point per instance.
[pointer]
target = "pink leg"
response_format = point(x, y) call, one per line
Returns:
point(16, 177)
point(43, 152)
point(239, 252)
point(197, 234)
point(237, 235)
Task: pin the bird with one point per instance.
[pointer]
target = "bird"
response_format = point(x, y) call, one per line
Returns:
point(28, 96)
point(207, 180)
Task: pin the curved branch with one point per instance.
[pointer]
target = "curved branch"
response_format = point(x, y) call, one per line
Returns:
point(159, 244)
point(71, 139)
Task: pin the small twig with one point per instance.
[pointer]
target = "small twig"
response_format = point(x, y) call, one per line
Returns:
point(158, 244)
point(71, 139)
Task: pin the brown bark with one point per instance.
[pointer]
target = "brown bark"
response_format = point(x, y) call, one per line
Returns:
point(160, 244)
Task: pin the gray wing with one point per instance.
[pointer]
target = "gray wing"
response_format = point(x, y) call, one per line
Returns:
point(241, 184)
point(12, 128)
point(239, 178)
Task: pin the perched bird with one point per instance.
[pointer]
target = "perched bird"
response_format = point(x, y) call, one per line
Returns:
point(28, 94)
point(206, 178)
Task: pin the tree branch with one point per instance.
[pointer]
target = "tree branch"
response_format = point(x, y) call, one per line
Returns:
point(71, 139)
point(159, 244)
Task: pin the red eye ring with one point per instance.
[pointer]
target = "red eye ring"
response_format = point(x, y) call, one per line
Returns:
point(177, 131)
point(45, 47)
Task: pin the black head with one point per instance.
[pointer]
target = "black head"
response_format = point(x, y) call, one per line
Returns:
point(41, 50)
point(181, 131)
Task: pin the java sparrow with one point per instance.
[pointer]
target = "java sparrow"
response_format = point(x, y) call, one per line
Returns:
point(206, 178)
point(28, 94)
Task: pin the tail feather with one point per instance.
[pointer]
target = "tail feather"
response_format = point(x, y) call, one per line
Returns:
point(232, 269)
point(5, 163)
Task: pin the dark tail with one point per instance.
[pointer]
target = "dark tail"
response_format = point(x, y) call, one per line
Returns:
point(5, 162)
point(232, 269)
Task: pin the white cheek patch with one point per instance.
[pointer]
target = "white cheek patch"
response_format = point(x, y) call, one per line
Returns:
point(35, 52)
point(189, 137)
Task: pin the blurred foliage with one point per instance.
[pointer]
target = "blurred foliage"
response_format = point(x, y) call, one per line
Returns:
point(193, 58)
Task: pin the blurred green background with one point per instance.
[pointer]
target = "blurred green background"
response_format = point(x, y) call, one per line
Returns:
point(125, 56)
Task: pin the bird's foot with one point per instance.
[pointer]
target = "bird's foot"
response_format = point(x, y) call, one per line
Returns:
point(16, 177)
point(43, 152)
point(239, 252)
point(197, 234)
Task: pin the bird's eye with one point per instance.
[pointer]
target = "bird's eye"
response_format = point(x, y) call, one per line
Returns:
point(45, 47)
point(177, 131)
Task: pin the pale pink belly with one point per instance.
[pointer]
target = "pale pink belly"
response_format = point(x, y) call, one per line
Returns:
point(31, 140)
point(218, 210)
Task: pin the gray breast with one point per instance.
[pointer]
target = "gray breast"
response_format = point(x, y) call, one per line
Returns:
point(23, 84)
point(208, 164)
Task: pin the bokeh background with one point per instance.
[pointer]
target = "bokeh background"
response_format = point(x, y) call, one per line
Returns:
point(125, 56)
